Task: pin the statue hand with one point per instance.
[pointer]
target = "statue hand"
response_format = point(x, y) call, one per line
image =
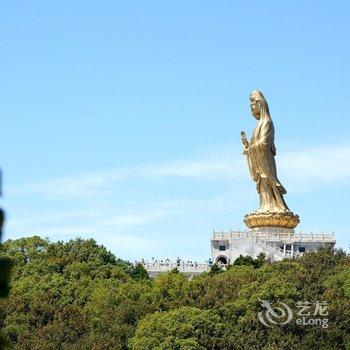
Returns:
point(244, 139)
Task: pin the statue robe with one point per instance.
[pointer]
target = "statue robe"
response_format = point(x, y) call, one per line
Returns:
point(261, 161)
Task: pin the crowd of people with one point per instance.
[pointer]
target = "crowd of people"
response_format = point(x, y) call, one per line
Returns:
point(179, 262)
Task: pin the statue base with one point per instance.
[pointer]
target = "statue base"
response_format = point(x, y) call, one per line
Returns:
point(285, 219)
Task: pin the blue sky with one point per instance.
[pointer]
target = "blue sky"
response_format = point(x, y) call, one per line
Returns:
point(121, 120)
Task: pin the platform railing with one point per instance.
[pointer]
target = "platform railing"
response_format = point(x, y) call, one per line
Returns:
point(276, 236)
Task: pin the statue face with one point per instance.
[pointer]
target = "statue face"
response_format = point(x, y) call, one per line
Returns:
point(255, 108)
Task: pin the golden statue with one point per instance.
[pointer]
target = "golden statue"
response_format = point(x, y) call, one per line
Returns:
point(260, 153)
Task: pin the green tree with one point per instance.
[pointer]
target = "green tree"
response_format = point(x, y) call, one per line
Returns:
point(215, 269)
point(139, 272)
point(180, 329)
point(5, 271)
point(259, 261)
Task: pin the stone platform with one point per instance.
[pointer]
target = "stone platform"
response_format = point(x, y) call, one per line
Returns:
point(276, 243)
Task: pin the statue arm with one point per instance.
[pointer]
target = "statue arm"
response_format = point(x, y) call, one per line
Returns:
point(266, 136)
point(249, 155)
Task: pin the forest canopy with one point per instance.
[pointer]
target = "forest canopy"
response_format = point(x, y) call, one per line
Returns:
point(78, 295)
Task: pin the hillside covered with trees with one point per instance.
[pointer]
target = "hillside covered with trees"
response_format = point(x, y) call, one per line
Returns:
point(78, 295)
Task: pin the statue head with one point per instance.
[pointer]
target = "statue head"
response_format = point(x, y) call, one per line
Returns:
point(258, 105)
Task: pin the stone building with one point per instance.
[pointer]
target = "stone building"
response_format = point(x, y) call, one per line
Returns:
point(226, 246)
point(276, 243)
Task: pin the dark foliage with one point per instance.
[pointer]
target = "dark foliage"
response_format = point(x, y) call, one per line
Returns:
point(77, 295)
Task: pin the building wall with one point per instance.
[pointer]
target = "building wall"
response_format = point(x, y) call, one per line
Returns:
point(229, 246)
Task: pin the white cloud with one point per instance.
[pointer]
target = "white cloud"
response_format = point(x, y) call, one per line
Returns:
point(92, 184)
point(98, 212)
point(300, 171)
point(131, 219)
point(222, 166)
point(309, 169)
